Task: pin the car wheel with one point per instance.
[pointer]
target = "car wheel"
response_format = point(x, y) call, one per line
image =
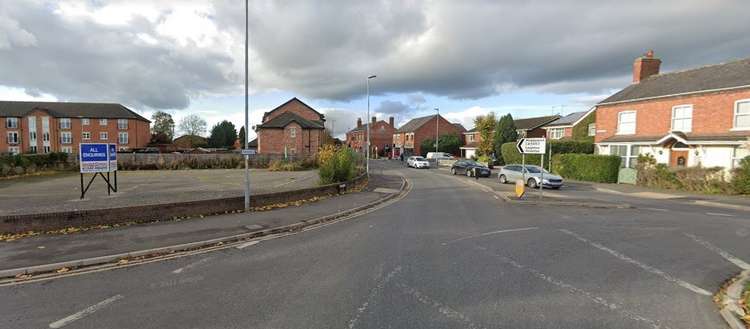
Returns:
point(532, 183)
point(453, 171)
point(502, 179)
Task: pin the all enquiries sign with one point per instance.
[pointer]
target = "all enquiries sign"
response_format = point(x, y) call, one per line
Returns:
point(95, 158)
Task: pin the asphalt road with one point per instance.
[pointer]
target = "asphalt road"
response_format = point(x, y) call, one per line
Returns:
point(446, 256)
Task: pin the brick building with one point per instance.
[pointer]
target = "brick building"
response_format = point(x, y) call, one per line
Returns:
point(44, 127)
point(532, 127)
point(292, 128)
point(687, 118)
point(564, 127)
point(407, 140)
point(381, 136)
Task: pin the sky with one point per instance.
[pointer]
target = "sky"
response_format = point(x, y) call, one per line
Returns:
point(467, 58)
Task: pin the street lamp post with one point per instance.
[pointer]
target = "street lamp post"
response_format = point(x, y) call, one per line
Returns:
point(247, 120)
point(367, 153)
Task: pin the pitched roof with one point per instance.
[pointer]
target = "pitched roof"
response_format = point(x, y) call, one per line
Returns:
point(719, 76)
point(735, 136)
point(459, 126)
point(360, 128)
point(286, 118)
point(294, 99)
point(414, 124)
point(568, 120)
point(533, 123)
point(70, 110)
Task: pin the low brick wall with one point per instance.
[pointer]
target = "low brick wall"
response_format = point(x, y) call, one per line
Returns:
point(158, 212)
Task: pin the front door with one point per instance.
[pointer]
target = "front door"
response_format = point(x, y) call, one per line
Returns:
point(678, 158)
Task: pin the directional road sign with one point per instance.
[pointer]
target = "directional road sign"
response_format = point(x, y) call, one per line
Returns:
point(531, 145)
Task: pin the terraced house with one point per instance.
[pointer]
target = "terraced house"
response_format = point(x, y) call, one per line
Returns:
point(696, 117)
point(44, 127)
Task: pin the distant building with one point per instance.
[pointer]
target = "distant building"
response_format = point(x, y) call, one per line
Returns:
point(293, 128)
point(407, 140)
point(532, 127)
point(577, 125)
point(44, 127)
point(381, 136)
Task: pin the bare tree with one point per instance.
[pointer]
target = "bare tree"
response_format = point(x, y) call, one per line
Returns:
point(193, 125)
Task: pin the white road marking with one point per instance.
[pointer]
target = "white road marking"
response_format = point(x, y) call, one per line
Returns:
point(443, 309)
point(729, 257)
point(491, 233)
point(496, 197)
point(85, 312)
point(719, 214)
point(596, 299)
point(645, 267)
point(191, 265)
point(374, 292)
point(248, 244)
point(655, 209)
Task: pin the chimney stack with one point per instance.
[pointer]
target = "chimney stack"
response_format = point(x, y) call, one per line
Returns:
point(374, 120)
point(359, 122)
point(645, 66)
point(390, 121)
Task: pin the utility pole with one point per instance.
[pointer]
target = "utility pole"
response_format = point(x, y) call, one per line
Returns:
point(367, 153)
point(437, 131)
point(247, 101)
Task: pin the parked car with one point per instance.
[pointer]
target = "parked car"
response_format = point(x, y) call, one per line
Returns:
point(417, 162)
point(438, 155)
point(469, 167)
point(513, 172)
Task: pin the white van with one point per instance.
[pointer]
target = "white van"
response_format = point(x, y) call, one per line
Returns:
point(438, 155)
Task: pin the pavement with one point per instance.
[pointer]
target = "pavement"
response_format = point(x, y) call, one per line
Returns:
point(448, 255)
point(61, 192)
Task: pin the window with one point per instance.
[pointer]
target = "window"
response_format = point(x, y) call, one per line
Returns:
point(103, 135)
point(32, 149)
point(122, 124)
point(102, 122)
point(46, 148)
point(470, 137)
point(85, 122)
point(626, 123)
point(66, 149)
point(66, 137)
point(64, 123)
point(11, 122)
point(292, 132)
point(742, 114)
point(14, 150)
point(556, 133)
point(592, 129)
point(45, 137)
point(739, 153)
point(32, 136)
point(12, 137)
point(86, 135)
point(628, 154)
point(122, 138)
point(682, 118)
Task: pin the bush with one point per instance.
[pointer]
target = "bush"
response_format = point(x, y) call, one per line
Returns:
point(291, 165)
point(587, 167)
point(694, 179)
point(510, 154)
point(29, 163)
point(741, 177)
point(336, 164)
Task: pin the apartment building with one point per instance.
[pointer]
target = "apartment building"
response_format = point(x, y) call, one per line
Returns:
point(695, 117)
point(44, 127)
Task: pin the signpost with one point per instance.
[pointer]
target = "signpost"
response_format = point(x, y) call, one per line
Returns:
point(97, 159)
point(532, 146)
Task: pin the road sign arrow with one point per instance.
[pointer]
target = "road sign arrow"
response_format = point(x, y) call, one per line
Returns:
point(519, 145)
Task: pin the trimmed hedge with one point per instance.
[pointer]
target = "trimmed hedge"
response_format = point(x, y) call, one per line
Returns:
point(587, 167)
point(20, 164)
point(510, 153)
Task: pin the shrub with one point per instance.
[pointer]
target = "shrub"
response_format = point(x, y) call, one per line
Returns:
point(741, 177)
point(510, 153)
point(336, 164)
point(287, 165)
point(694, 179)
point(29, 163)
point(587, 167)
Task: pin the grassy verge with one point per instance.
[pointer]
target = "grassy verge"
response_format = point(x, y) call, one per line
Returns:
point(745, 303)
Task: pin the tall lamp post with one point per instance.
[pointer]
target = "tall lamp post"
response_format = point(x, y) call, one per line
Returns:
point(367, 153)
point(247, 120)
point(437, 131)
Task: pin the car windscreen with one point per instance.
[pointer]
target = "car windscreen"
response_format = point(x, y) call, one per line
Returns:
point(419, 159)
point(535, 170)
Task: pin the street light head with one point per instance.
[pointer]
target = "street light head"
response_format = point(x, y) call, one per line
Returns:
point(372, 77)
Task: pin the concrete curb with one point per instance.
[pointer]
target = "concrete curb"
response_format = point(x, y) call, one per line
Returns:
point(7, 276)
point(731, 310)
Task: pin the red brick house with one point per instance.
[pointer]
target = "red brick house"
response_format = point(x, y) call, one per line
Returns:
point(408, 139)
point(381, 136)
point(44, 127)
point(564, 127)
point(292, 128)
point(686, 118)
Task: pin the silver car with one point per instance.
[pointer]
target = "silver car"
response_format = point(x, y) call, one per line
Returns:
point(513, 172)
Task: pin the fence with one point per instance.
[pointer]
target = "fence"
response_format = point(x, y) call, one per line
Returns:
point(145, 161)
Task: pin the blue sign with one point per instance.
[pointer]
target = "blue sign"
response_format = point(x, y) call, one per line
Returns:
point(94, 158)
point(112, 157)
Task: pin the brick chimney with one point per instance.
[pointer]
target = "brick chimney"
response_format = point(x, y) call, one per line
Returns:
point(390, 121)
point(359, 122)
point(374, 120)
point(645, 66)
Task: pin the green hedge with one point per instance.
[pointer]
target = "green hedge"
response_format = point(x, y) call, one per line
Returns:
point(587, 167)
point(741, 179)
point(510, 153)
point(29, 163)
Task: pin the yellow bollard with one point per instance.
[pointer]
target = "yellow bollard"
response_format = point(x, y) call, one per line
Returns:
point(520, 189)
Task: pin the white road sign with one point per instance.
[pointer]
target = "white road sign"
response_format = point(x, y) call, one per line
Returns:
point(532, 145)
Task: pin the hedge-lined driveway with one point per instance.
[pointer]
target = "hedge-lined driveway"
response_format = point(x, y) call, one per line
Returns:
point(62, 192)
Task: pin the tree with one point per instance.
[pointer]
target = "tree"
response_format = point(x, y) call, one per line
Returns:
point(450, 144)
point(193, 125)
point(505, 132)
point(241, 137)
point(427, 145)
point(223, 134)
point(163, 126)
point(485, 125)
point(159, 138)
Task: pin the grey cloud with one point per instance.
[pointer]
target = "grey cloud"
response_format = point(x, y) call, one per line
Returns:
point(393, 107)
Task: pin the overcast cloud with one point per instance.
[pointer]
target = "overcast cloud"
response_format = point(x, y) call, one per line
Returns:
point(161, 54)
